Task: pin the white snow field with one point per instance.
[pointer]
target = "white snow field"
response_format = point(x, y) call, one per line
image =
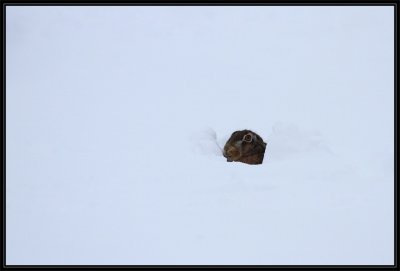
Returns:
point(114, 115)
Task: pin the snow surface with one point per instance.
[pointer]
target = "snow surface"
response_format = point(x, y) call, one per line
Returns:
point(115, 117)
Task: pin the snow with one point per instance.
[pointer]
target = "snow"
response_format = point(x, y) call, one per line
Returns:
point(116, 117)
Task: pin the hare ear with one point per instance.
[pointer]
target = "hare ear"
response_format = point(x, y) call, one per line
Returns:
point(248, 137)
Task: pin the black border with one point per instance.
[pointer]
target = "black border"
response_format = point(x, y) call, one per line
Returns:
point(6, 3)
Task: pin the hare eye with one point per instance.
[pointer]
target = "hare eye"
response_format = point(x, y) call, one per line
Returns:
point(247, 138)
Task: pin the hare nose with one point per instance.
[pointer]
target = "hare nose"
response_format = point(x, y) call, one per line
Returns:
point(227, 156)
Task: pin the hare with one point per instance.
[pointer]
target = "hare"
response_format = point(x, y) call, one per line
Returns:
point(245, 146)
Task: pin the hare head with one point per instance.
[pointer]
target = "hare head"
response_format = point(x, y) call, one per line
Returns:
point(245, 146)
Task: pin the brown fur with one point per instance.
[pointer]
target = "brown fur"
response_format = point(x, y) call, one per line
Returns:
point(239, 150)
